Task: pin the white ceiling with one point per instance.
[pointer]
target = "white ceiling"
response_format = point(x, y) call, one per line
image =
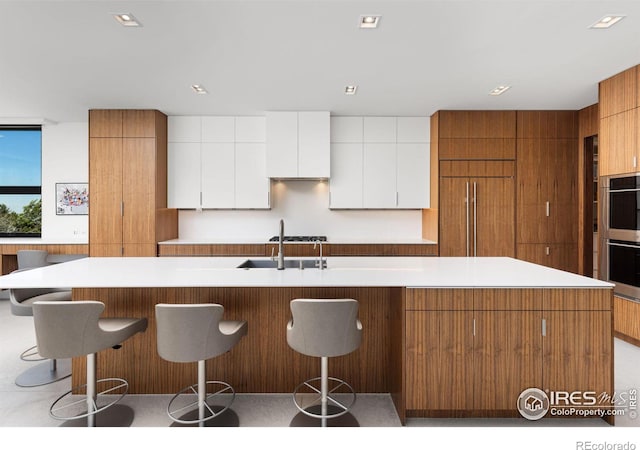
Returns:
point(59, 59)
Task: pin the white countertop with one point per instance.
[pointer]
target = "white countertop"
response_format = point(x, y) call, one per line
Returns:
point(330, 240)
point(342, 271)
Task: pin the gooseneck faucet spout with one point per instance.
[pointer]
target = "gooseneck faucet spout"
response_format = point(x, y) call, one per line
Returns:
point(280, 246)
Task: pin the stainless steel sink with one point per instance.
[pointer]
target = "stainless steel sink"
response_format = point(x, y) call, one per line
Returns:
point(269, 264)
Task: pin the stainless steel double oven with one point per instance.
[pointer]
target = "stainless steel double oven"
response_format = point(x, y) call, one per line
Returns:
point(620, 233)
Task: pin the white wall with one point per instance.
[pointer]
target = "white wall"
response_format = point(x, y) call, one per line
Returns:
point(65, 159)
point(304, 206)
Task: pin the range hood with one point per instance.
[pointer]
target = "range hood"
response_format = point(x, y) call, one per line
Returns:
point(298, 145)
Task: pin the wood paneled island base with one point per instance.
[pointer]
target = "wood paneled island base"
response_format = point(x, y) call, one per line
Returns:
point(449, 352)
point(262, 361)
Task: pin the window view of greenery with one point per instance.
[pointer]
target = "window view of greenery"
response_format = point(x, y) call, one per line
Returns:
point(20, 181)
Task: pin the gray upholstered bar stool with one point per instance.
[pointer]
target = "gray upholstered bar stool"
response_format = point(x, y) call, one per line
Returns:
point(190, 333)
point(48, 371)
point(324, 328)
point(72, 329)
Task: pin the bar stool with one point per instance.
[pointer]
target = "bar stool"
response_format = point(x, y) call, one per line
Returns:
point(324, 328)
point(45, 372)
point(72, 329)
point(29, 259)
point(195, 333)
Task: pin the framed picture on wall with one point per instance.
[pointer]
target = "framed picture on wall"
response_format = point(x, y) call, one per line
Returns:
point(72, 199)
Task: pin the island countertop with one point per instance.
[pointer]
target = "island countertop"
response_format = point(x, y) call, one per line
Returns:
point(411, 272)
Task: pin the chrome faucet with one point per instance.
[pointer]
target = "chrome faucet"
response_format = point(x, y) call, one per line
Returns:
point(280, 247)
point(320, 263)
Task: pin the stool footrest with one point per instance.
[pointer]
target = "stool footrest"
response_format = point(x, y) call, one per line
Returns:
point(73, 404)
point(31, 354)
point(342, 405)
point(189, 401)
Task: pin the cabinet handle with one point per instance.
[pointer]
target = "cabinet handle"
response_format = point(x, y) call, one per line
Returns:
point(397, 198)
point(474, 327)
point(475, 220)
point(548, 208)
point(546, 250)
point(466, 201)
point(268, 200)
point(122, 209)
point(635, 161)
point(544, 327)
point(200, 198)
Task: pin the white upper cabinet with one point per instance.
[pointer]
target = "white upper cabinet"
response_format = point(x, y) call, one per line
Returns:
point(379, 163)
point(217, 162)
point(218, 174)
point(346, 182)
point(379, 130)
point(298, 144)
point(412, 176)
point(251, 129)
point(183, 188)
point(379, 175)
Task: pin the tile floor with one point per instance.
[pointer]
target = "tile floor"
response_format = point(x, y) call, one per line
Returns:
point(28, 407)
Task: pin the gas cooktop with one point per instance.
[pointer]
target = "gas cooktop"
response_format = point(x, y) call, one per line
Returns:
point(299, 239)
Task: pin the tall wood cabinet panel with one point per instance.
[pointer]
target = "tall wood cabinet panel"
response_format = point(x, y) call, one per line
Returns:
point(477, 124)
point(127, 181)
point(618, 143)
point(619, 93)
point(547, 188)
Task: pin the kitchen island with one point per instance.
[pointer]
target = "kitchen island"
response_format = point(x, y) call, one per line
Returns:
point(445, 336)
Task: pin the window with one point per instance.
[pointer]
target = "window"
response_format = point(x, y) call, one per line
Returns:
point(20, 181)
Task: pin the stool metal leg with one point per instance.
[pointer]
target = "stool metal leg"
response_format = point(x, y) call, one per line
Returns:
point(324, 387)
point(202, 391)
point(91, 390)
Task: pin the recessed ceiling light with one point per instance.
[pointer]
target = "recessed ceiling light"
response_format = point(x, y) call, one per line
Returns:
point(127, 20)
point(350, 90)
point(499, 90)
point(608, 21)
point(199, 89)
point(369, 21)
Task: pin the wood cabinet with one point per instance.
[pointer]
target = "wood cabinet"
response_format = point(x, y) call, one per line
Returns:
point(217, 162)
point(477, 212)
point(379, 163)
point(476, 204)
point(627, 320)
point(473, 351)
point(547, 188)
point(298, 144)
point(127, 181)
point(619, 101)
point(619, 93)
point(618, 150)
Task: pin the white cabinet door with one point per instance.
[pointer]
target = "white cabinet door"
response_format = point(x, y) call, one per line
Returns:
point(250, 129)
point(218, 175)
point(184, 128)
point(413, 129)
point(380, 129)
point(346, 181)
point(218, 129)
point(413, 175)
point(313, 144)
point(183, 175)
point(379, 175)
point(346, 129)
point(251, 183)
point(282, 144)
